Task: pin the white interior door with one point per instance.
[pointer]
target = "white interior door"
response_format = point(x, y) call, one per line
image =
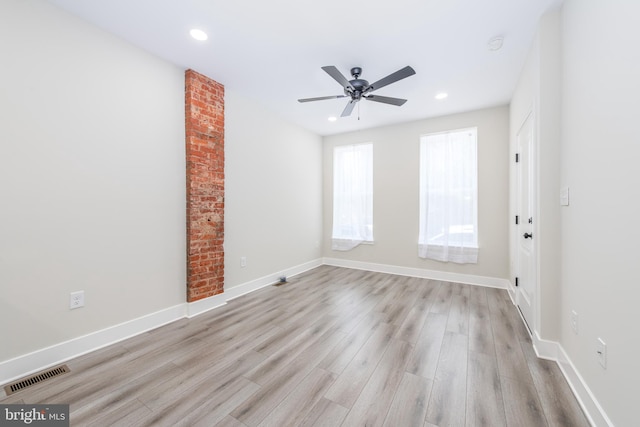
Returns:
point(526, 280)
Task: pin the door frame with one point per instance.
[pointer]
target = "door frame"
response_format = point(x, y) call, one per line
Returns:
point(533, 186)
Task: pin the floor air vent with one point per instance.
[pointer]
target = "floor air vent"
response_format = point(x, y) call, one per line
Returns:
point(35, 379)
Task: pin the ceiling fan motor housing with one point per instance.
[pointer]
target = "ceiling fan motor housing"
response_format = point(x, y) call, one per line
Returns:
point(359, 85)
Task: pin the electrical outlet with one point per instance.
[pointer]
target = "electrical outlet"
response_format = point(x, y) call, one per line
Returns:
point(574, 321)
point(601, 352)
point(243, 261)
point(76, 300)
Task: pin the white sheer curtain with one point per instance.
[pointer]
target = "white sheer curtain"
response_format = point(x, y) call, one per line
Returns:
point(449, 197)
point(352, 196)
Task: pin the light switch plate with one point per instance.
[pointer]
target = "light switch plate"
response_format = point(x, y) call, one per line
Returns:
point(564, 196)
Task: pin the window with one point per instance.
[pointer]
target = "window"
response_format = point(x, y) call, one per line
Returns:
point(352, 196)
point(449, 196)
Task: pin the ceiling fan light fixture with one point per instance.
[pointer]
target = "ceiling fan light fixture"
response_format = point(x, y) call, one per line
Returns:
point(441, 95)
point(198, 34)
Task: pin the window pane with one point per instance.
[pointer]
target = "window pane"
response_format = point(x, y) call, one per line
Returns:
point(352, 195)
point(448, 196)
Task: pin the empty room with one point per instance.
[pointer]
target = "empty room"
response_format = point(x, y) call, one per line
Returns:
point(299, 213)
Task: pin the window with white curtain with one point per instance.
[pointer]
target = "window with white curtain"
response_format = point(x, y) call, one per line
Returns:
point(449, 196)
point(352, 196)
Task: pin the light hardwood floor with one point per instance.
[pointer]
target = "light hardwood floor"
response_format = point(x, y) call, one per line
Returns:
point(333, 347)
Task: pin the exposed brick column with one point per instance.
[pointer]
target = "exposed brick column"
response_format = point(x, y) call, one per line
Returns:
point(204, 105)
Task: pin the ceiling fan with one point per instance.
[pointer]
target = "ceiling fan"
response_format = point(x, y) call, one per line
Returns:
point(358, 88)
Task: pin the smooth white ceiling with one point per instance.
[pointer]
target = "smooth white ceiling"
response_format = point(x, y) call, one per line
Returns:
point(272, 51)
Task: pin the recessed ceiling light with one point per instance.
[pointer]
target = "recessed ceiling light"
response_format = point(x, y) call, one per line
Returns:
point(495, 43)
point(332, 118)
point(198, 34)
point(441, 95)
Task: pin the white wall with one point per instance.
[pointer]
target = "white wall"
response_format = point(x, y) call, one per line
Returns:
point(273, 184)
point(548, 170)
point(538, 93)
point(92, 180)
point(92, 190)
point(587, 107)
point(396, 199)
point(600, 235)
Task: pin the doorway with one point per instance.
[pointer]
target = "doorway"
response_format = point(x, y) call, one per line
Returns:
point(526, 282)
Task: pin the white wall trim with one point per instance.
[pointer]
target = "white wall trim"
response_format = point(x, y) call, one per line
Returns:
point(491, 282)
point(27, 364)
point(594, 412)
point(545, 349)
point(30, 363)
point(552, 350)
point(511, 289)
point(203, 305)
point(270, 279)
point(206, 304)
point(13, 369)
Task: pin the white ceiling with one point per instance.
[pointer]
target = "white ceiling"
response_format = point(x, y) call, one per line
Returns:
point(272, 51)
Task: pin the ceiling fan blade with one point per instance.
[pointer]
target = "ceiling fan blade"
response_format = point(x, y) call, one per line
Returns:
point(337, 76)
point(349, 108)
point(321, 98)
point(392, 78)
point(386, 99)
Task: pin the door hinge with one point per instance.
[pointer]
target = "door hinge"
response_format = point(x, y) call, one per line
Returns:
point(517, 221)
point(517, 157)
point(516, 282)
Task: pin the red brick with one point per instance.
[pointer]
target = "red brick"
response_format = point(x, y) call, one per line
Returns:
point(204, 130)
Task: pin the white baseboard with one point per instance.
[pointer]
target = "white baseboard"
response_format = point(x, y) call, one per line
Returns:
point(545, 349)
point(552, 350)
point(270, 279)
point(468, 279)
point(594, 412)
point(27, 364)
point(203, 305)
point(30, 363)
point(13, 369)
point(511, 289)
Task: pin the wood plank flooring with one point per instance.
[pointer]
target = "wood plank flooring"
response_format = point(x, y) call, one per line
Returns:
point(333, 347)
